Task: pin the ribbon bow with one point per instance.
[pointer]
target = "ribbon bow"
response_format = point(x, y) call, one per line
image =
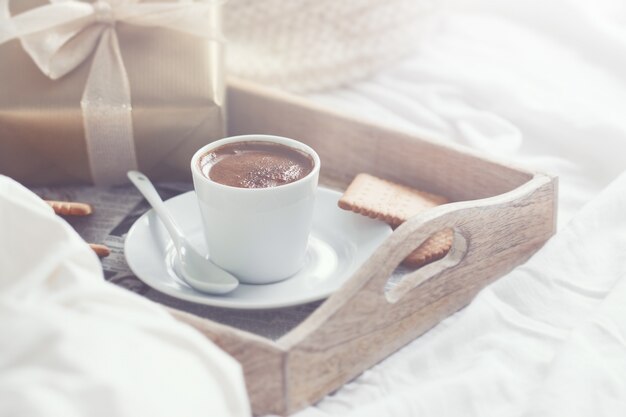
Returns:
point(61, 35)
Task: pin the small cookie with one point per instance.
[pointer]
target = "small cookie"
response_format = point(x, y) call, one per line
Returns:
point(394, 204)
point(433, 249)
point(385, 200)
point(70, 208)
point(101, 250)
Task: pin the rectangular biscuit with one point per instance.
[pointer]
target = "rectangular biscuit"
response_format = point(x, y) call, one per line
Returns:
point(386, 200)
point(394, 204)
point(70, 208)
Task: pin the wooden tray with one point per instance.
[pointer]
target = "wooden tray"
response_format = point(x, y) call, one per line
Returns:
point(500, 216)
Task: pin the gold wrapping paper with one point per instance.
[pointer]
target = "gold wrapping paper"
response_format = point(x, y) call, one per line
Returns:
point(177, 92)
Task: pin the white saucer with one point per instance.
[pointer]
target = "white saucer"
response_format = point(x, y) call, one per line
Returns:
point(340, 242)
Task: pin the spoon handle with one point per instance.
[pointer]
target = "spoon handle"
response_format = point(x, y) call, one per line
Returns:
point(146, 188)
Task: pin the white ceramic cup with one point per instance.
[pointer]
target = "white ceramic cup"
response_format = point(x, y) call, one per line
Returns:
point(258, 234)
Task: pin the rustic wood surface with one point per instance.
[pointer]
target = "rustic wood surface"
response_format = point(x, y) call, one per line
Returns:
point(500, 217)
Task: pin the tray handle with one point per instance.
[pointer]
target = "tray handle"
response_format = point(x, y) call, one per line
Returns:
point(491, 236)
point(419, 276)
point(371, 283)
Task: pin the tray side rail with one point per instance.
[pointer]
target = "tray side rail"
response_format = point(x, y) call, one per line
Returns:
point(349, 145)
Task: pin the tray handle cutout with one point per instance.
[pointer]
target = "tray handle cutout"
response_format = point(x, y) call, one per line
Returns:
point(482, 229)
point(411, 280)
point(461, 217)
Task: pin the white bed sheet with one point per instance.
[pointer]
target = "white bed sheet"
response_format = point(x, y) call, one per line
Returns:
point(542, 84)
point(72, 344)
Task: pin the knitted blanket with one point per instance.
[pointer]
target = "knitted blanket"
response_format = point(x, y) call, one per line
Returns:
point(308, 45)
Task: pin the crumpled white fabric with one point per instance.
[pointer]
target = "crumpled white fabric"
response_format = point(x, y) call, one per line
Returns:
point(540, 84)
point(72, 344)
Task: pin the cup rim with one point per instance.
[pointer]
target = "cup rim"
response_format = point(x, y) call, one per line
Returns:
point(281, 140)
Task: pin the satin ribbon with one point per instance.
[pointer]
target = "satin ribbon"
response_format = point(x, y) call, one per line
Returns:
point(61, 35)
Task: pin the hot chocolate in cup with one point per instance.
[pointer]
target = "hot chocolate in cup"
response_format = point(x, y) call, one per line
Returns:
point(255, 164)
point(256, 195)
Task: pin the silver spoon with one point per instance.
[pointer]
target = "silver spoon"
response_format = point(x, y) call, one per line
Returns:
point(199, 272)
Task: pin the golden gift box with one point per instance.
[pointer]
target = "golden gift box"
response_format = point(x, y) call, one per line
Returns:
point(171, 59)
